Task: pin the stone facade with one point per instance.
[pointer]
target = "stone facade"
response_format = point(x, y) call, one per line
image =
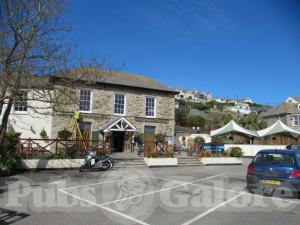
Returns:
point(287, 119)
point(102, 109)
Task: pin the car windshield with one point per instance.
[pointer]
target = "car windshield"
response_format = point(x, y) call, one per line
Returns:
point(275, 158)
point(296, 148)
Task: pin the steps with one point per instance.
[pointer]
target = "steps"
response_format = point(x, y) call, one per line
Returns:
point(189, 162)
point(120, 163)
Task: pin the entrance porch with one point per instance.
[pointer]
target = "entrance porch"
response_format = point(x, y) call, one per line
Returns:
point(120, 133)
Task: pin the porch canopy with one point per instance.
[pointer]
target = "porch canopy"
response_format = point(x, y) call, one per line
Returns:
point(279, 128)
point(233, 127)
point(119, 124)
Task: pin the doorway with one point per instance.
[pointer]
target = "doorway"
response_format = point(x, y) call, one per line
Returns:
point(118, 141)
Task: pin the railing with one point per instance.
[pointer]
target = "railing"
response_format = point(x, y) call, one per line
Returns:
point(32, 147)
point(157, 148)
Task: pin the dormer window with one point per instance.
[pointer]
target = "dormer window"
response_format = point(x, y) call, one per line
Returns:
point(298, 106)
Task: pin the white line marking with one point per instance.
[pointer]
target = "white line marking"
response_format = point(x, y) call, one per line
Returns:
point(212, 209)
point(273, 198)
point(105, 182)
point(216, 188)
point(157, 191)
point(237, 192)
point(147, 193)
point(105, 208)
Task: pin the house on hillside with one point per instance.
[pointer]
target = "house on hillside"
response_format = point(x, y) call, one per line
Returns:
point(248, 100)
point(287, 112)
point(240, 109)
point(294, 100)
point(120, 104)
point(193, 95)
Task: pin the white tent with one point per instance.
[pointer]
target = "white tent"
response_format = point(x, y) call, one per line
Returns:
point(233, 127)
point(278, 128)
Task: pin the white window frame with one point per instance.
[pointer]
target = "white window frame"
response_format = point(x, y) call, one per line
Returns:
point(294, 121)
point(125, 101)
point(155, 104)
point(91, 100)
point(21, 111)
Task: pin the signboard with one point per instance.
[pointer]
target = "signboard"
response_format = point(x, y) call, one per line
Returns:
point(211, 147)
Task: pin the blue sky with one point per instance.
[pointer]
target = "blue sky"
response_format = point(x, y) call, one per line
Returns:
point(233, 48)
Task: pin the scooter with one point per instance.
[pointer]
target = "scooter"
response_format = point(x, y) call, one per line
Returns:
point(101, 162)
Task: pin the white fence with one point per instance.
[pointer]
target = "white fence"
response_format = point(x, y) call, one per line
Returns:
point(251, 150)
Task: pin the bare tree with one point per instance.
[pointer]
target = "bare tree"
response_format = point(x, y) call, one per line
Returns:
point(34, 57)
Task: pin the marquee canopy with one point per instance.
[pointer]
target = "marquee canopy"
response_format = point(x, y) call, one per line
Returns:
point(278, 128)
point(232, 127)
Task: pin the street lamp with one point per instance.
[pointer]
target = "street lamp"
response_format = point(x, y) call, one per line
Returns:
point(196, 129)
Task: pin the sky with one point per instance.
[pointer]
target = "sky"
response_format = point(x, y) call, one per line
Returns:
point(232, 48)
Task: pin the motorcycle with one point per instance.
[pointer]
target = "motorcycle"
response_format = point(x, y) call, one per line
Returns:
point(100, 162)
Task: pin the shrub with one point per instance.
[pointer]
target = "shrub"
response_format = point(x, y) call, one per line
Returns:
point(138, 138)
point(64, 134)
point(9, 158)
point(160, 155)
point(160, 137)
point(236, 152)
point(43, 133)
point(204, 154)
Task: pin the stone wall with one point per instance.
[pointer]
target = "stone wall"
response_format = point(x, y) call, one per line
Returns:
point(103, 105)
point(287, 119)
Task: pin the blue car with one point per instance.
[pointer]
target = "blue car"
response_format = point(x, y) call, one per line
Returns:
point(275, 170)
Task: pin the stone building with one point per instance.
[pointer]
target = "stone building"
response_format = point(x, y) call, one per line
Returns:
point(287, 112)
point(112, 105)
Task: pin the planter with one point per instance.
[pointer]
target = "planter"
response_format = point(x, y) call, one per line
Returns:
point(152, 162)
point(221, 161)
point(50, 163)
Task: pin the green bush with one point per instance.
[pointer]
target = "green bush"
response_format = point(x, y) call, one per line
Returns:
point(139, 139)
point(236, 152)
point(160, 137)
point(9, 157)
point(64, 134)
point(160, 155)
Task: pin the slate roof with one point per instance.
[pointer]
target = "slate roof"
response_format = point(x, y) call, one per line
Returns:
point(119, 78)
point(284, 108)
point(179, 129)
point(297, 98)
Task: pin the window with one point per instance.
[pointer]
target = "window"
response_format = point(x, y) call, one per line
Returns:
point(119, 106)
point(150, 106)
point(275, 159)
point(296, 120)
point(85, 101)
point(21, 103)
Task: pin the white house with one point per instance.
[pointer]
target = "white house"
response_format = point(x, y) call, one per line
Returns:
point(240, 108)
point(295, 100)
point(248, 100)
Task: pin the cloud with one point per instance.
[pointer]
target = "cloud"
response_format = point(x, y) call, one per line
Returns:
point(181, 18)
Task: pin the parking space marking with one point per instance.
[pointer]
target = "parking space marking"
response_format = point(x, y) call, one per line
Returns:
point(273, 198)
point(160, 190)
point(105, 208)
point(200, 185)
point(105, 182)
point(237, 192)
point(212, 209)
point(216, 188)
